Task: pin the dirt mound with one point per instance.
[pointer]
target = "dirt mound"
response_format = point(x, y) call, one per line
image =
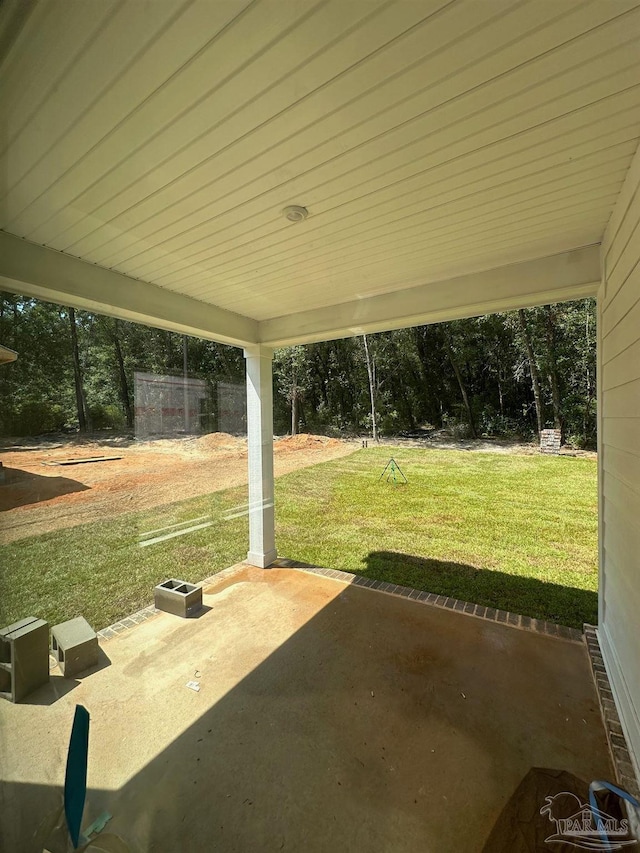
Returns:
point(305, 441)
point(37, 498)
point(220, 441)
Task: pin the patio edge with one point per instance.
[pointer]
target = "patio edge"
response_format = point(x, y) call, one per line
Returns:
point(620, 756)
point(139, 616)
point(515, 620)
point(504, 617)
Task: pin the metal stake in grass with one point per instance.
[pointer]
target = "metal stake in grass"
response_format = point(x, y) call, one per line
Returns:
point(392, 469)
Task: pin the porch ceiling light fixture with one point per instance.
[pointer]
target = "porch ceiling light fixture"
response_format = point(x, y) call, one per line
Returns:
point(295, 213)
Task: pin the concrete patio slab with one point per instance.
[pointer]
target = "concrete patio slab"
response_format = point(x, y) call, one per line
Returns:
point(329, 717)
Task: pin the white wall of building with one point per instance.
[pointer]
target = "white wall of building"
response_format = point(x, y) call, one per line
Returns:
point(619, 456)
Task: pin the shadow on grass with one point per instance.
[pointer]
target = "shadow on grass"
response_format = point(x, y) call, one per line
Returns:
point(527, 596)
point(21, 488)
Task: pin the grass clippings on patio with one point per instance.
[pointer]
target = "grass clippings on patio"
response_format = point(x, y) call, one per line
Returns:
point(513, 532)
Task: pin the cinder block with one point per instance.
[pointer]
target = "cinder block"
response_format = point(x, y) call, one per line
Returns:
point(24, 658)
point(178, 597)
point(74, 645)
point(550, 441)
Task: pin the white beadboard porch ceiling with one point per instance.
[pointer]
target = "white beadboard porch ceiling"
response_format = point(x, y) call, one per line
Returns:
point(427, 138)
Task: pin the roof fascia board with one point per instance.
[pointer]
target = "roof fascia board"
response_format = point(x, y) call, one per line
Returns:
point(35, 270)
point(557, 278)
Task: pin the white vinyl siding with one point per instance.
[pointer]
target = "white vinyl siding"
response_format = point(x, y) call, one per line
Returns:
point(619, 316)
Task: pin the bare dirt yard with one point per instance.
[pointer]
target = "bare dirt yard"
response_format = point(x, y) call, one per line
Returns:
point(39, 495)
point(443, 440)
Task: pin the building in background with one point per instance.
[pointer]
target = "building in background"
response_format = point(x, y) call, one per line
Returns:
point(166, 405)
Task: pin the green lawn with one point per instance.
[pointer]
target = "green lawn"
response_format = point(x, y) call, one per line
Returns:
point(514, 532)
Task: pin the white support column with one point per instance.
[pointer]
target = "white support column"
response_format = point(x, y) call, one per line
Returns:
point(262, 538)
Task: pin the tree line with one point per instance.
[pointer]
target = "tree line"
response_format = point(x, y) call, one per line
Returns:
point(509, 374)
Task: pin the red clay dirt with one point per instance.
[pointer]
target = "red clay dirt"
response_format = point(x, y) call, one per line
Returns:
point(38, 497)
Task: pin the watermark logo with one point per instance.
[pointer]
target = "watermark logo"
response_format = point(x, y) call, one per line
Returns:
point(584, 826)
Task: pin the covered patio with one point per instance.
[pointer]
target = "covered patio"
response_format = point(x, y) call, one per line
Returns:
point(271, 173)
point(329, 717)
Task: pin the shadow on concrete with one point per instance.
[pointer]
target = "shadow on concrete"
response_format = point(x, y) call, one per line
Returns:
point(377, 724)
point(565, 605)
point(60, 685)
point(103, 662)
point(57, 687)
point(21, 488)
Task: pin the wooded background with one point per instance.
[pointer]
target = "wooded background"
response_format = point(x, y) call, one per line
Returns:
point(502, 374)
